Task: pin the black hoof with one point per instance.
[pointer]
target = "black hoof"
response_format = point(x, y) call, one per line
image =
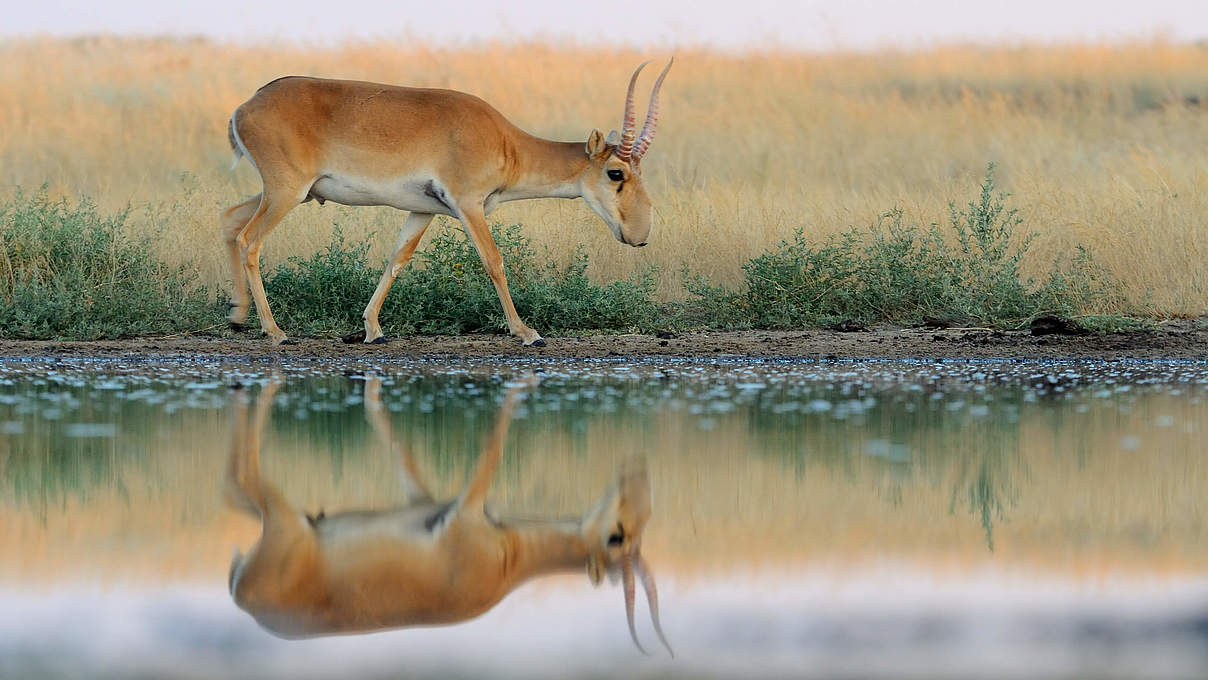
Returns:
point(539, 342)
point(379, 341)
point(288, 341)
point(238, 327)
point(353, 338)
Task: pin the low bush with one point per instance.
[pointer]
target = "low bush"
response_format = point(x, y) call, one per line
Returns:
point(896, 272)
point(322, 294)
point(68, 272)
point(446, 290)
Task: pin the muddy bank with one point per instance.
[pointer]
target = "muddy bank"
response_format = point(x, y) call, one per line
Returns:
point(1176, 340)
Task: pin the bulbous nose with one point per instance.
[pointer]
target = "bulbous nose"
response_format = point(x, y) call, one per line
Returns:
point(639, 245)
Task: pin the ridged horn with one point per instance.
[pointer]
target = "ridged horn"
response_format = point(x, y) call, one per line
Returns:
point(628, 133)
point(652, 117)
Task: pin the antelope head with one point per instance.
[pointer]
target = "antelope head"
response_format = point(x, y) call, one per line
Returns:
point(613, 530)
point(612, 182)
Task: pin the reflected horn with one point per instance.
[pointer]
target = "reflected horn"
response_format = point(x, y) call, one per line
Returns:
point(627, 584)
point(652, 599)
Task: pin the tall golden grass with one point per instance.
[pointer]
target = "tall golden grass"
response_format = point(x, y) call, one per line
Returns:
point(1105, 146)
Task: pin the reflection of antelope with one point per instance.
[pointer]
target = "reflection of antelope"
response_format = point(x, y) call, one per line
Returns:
point(424, 562)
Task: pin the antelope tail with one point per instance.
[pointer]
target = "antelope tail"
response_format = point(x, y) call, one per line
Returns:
point(236, 151)
point(236, 561)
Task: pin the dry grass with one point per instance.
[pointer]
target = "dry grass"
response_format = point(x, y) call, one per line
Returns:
point(1102, 145)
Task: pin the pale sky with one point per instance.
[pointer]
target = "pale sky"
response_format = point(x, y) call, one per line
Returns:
point(735, 24)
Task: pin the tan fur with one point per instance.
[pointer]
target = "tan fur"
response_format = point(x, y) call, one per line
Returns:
point(423, 562)
point(424, 150)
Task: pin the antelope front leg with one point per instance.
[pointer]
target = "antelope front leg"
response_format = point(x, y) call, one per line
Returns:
point(476, 226)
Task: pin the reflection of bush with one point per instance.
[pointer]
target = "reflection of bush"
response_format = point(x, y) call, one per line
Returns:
point(984, 479)
point(436, 416)
point(905, 438)
point(47, 462)
point(906, 435)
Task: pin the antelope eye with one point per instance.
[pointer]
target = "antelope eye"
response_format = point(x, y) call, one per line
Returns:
point(617, 537)
point(616, 175)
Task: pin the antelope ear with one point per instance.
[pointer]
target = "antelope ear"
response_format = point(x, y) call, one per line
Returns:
point(596, 144)
point(596, 569)
point(613, 139)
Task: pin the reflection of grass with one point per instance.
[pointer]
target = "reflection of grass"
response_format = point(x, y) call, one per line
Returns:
point(447, 422)
point(313, 419)
point(756, 487)
point(46, 467)
point(977, 458)
point(987, 489)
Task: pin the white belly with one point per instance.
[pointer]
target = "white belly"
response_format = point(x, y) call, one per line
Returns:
point(417, 193)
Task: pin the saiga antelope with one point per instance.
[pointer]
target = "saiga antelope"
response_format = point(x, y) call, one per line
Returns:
point(432, 152)
point(423, 562)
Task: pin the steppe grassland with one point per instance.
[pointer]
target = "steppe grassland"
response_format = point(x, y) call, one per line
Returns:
point(1105, 146)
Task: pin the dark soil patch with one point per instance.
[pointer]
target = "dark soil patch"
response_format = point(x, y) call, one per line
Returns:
point(1173, 340)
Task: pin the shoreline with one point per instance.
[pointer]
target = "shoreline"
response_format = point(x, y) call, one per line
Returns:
point(1182, 340)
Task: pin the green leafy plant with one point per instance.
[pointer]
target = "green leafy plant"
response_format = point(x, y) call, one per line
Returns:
point(68, 272)
point(900, 273)
point(446, 290)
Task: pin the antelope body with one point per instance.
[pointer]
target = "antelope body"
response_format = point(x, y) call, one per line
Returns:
point(424, 562)
point(431, 152)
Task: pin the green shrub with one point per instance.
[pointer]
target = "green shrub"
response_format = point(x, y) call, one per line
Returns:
point(899, 273)
point(324, 293)
point(446, 290)
point(709, 306)
point(68, 272)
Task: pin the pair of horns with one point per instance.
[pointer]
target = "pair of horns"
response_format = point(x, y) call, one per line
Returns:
point(633, 145)
point(629, 564)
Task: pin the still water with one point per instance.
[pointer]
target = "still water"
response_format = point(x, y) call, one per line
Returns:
point(810, 519)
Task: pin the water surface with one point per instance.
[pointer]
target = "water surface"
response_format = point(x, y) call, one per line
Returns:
point(894, 519)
